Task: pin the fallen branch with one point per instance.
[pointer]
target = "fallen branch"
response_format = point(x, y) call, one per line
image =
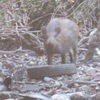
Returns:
point(84, 82)
point(51, 70)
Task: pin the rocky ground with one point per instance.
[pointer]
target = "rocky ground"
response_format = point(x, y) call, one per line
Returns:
point(84, 85)
point(15, 83)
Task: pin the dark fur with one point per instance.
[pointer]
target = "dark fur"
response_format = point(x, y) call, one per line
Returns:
point(61, 36)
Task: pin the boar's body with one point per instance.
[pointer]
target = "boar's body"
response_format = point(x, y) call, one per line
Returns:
point(61, 35)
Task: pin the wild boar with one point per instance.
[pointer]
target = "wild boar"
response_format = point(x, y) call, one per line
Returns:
point(61, 36)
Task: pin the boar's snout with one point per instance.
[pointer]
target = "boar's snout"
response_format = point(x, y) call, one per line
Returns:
point(44, 33)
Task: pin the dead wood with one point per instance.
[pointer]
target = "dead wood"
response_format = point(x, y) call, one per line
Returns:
point(51, 70)
point(84, 82)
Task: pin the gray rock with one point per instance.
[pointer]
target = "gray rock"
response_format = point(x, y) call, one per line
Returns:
point(29, 87)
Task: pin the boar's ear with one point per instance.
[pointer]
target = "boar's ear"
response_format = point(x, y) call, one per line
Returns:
point(57, 30)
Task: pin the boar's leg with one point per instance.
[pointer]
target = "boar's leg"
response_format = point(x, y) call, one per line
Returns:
point(63, 57)
point(50, 57)
point(75, 55)
point(71, 57)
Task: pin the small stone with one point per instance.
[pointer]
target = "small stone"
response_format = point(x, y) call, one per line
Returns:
point(47, 79)
point(91, 71)
point(9, 64)
point(84, 88)
point(57, 83)
point(4, 96)
point(78, 97)
point(2, 87)
point(29, 87)
point(97, 88)
point(93, 85)
point(97, 96)
point(59, 97)
point(31, 63)
point(7, 82)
